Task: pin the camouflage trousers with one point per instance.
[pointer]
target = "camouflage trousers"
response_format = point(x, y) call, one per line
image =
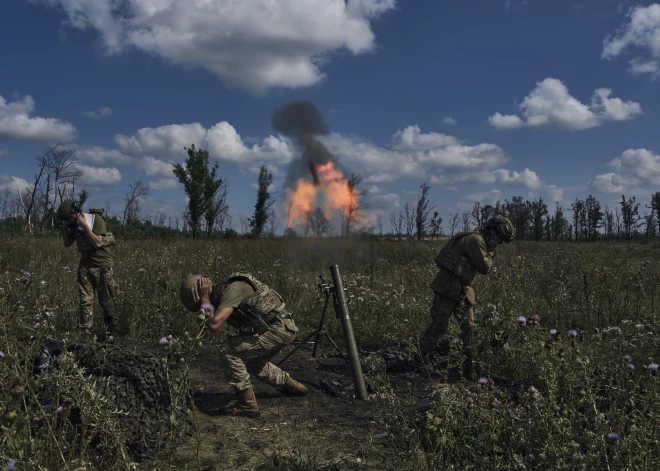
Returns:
point(243, 355)
point(441, 311)
point(97, 280)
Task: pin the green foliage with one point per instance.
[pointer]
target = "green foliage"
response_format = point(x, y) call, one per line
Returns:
point(201, 186)
point(260, 216)
point(607, 292)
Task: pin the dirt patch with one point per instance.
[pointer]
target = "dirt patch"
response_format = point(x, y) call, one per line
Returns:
point(327, 429)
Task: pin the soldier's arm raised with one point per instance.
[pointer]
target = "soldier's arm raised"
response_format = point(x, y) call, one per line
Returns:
point(96, 240)
point(68, 241)
point(482, 259)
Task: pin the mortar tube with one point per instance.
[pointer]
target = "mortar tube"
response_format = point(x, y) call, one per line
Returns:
point(347, 327)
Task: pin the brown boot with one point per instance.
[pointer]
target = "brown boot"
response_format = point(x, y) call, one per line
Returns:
point(293, 388)
point(245, 405)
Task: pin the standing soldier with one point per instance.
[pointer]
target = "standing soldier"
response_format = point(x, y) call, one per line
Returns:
point(264, 328)
point(459, 261)
point(91, 234)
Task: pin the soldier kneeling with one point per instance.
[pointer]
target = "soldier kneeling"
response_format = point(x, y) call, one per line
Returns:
point(264, 328)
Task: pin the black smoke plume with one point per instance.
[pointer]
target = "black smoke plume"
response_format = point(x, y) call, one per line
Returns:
point(303, 124)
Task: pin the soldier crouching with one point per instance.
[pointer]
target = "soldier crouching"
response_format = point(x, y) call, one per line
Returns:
point(464, 255)
point(264, 328)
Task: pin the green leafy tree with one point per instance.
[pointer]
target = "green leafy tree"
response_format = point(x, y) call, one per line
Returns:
point(200, 184)
point(264, 202)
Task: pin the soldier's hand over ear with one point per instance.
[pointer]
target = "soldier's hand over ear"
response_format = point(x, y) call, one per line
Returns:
point(492, 242)
point(204, 288)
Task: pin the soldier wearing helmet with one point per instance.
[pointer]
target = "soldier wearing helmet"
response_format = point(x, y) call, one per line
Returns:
point(264, 327)
point(94, 240)
point(464, 255)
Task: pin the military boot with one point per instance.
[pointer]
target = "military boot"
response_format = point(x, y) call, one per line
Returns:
point(245, 405)
point(293, 388)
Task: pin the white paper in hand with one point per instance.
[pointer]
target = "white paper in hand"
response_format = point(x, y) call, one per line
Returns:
point(90, 221)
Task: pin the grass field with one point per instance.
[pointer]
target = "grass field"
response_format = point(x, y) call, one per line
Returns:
point(560, 401)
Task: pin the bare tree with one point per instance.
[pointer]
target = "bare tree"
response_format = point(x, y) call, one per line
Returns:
point(466, 222)
point(476, 213)
point(318, 223)
point(220, 211)
point(63, 171)
point(136, 190)
point(29, 196)
point(159, 219)
point(107, 205)
point(353, 205)
point(453, 222)
point(4, 202)
point(245, 224)
point(397, 224)
point(409, 214)
point(273, 224)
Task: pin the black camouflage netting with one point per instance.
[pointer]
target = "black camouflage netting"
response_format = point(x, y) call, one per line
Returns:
point(136, 383)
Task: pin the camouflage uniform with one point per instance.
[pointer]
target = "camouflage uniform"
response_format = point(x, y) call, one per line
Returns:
point(459, 261)
point(95, 275)
point(246, 354)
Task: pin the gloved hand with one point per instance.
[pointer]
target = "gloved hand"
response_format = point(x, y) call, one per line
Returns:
point(492, 242)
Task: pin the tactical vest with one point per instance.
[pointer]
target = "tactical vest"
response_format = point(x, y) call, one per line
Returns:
point(450, 260)
point(83, 243)
point(265, 300)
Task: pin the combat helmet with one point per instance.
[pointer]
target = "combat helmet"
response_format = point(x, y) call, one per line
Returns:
point(502, 227)
point(188, 293)
point(65, 209)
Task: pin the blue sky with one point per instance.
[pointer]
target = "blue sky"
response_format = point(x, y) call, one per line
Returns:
point(482, 99)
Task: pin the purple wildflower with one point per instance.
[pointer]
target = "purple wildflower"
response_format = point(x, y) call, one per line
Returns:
point(613, 436)
point(163, 341)
point(48, 314)
point(36, 326)
point(653, 368)
point(2, 354)
point(572, 333)
point(10, 465)
point(533, 390)
point(578, 361)
point(521, 320)
point(37, 316)
point(631, 367)
point(259, 272)
point(43, 366)
point(59, 409)
point(483, 381)
point(627, 358)
point(553, 332)
point(469, 401)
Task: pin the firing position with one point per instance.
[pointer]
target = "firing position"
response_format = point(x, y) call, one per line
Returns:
point(94, 240)
point(464, 255)
point(264, 328)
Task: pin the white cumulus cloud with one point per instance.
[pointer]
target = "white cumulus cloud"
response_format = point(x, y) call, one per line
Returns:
point(16, 124)
point(11, 183)
point(449, 120)
point(164, 184)
point(550, 105)
point(96, 155)
point(525, 179)
point(635, 169)
point(254, 44)
point(99, 113)
point(640, 34)
point(98, 176)
point(224, 143)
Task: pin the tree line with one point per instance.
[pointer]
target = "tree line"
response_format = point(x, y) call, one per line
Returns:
point(586, 220)
point(32, 209)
